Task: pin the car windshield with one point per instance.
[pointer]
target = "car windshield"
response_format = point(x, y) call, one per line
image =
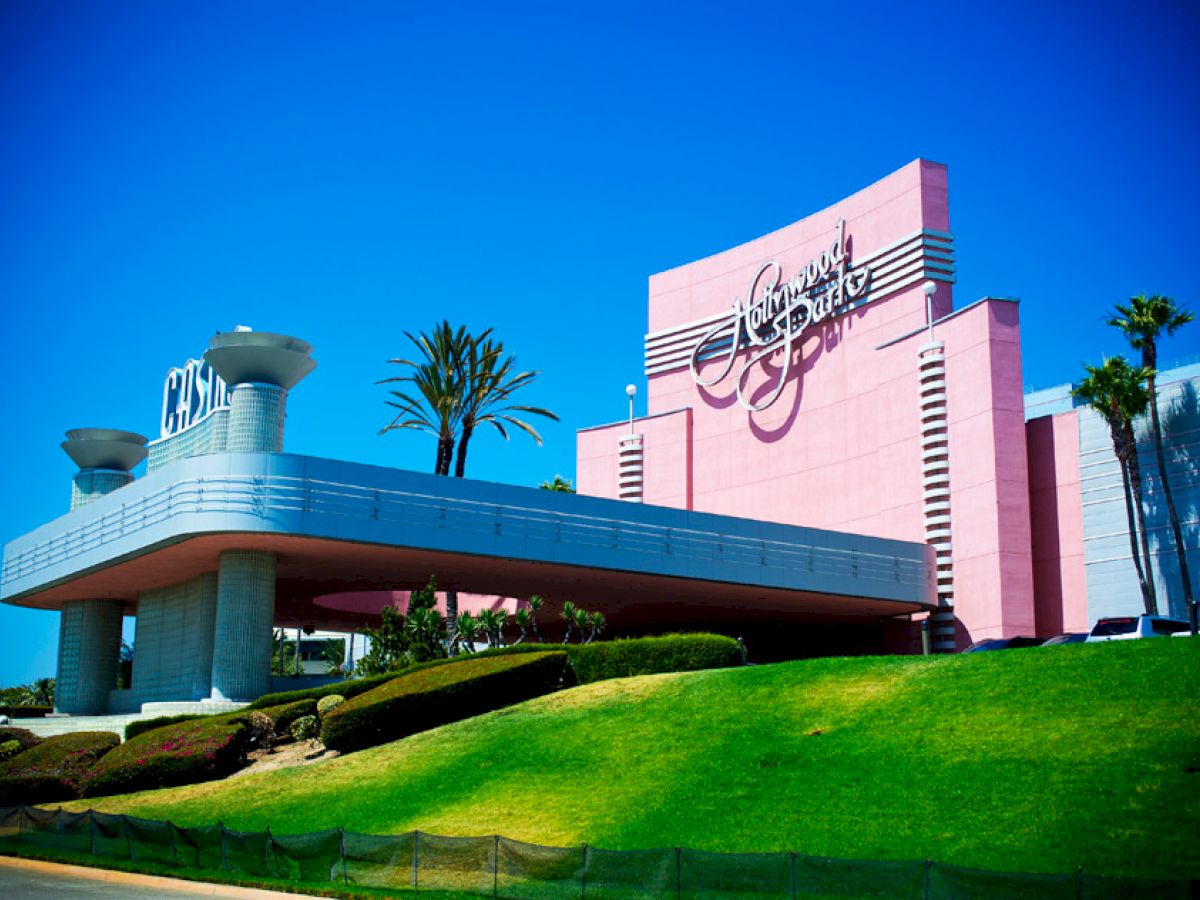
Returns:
point(1106, 627)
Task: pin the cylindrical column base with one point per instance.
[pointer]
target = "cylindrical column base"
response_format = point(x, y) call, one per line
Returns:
point(256, 413)
point(241, 667)
point(92, 484)
point(89, 647)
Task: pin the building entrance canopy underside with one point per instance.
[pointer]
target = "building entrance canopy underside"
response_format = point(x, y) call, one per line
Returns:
point(337, 526)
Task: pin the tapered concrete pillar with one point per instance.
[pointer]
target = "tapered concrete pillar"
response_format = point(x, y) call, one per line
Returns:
point(260, 368)
point(241, 666)
point(89, 644)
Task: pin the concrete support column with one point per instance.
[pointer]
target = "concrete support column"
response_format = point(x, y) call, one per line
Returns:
point(256, 413)
point(91, 484)
point(89, 642)
point(241, 662)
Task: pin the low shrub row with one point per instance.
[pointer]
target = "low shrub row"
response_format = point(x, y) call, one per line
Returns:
point(435, 695)
point(347, 689)
point(652, 655)
point(184, 753)
point(55, 769)
point(141, 726)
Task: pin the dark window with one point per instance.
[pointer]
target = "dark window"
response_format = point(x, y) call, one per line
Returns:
point(1166, 626)
point(1123, 625)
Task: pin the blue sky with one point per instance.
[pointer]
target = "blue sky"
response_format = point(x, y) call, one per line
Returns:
point(344, 172)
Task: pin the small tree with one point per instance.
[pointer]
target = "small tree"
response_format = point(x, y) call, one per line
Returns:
point(334, 656)
point(522, 618)
point(559, 485)
point(595, 624)
point(388, 644)
point(468, 631)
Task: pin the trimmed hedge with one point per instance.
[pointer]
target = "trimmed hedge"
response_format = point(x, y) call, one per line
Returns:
point(651, 655)
point(24, 736)
point(184, 753)
point(141, 726)
point(348, 689)
point(55, 769)
point(438, 694)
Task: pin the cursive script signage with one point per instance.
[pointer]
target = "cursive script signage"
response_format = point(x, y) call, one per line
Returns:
point(775, 315)
point(189, 394)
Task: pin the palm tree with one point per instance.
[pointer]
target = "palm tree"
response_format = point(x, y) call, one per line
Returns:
point(1118, 393)
point(489, 381)
point(595, 623)
point(535, 606)
point(568, 615)
point(436, 377)
point(468, 628)
point(522, 618)
point(559, 485)
point(1143, 320)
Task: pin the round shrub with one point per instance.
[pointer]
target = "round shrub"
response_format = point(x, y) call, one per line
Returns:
point(9, 749)
point(284, 714)
point(305, 728)
point(327, 704)
point(260, 728)
point(23, 736)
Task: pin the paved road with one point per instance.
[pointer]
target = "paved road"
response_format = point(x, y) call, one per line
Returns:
point(20, 884)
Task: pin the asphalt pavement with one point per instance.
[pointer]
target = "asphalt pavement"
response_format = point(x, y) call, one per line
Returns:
point(20, 884)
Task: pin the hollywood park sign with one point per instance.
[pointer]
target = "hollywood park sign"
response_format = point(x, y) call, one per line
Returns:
point(776, 314)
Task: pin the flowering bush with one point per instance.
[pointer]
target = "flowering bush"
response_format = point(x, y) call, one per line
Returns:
point(186, 753)
point(305, 728)
point(53, 769)
point(283, 715)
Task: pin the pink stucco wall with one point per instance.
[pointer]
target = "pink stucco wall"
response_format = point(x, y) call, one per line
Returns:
point(1056, 513)
point(840, 448)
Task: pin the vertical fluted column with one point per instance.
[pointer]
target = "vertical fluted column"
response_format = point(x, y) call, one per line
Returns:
point(89, 645)
point(630, 468)
point(241, 667)
point(256, 414)
point(935, 469)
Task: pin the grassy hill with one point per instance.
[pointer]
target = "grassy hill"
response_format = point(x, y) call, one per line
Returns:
point(1038, 760)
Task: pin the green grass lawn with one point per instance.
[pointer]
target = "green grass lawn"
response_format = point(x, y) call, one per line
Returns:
point(1033, 760)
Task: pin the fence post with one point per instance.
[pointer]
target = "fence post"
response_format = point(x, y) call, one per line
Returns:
point(416, 881)
point(495, 866)
point(928, 867)
point(793, 856)
point(269, 851)
point(583, 874)
point(678, 879)
point(342, 852)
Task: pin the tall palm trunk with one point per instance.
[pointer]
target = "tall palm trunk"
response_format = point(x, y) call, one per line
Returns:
point(1150, 361)
point(1147, 601)
point(460, 464)
point(1127, 451)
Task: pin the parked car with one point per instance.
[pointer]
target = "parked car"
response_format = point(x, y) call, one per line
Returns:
point(1003, 644)
point(1071, 637)
point(1126, 628)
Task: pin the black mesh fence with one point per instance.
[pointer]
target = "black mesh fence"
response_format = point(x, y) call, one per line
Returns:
point(498, 867)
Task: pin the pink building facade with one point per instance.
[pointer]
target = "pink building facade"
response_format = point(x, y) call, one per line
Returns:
point(797, 379)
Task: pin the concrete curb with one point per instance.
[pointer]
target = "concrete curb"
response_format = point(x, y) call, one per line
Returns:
point(112, 876)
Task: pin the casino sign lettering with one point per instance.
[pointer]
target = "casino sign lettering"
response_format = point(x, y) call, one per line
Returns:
point(775, 315)
point(189, 394)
